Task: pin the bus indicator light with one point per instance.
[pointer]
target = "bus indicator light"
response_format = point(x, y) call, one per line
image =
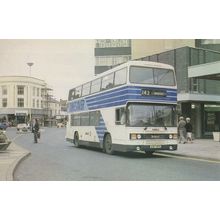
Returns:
point(133, 136)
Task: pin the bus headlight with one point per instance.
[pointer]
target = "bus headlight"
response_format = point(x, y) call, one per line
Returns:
point(138, 136)
point(135, 136)
point(138, 148)
point(173, 136)
point(170, 147)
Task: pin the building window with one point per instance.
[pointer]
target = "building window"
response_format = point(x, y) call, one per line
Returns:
point(195, 85)
point(111, 60)
point(37, 103)
point(33, 104)
point(38, 92)
point(42, 92)
point(20, 102)
point(113, 43)
point(20, 90)
point(41, 104)
point(210, 41)
point(4, 102)
point(4, 90)
point(33, 91)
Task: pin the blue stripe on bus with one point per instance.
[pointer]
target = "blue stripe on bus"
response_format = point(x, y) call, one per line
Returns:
point(124, 91)
point(120, 96)
point(128, 97)
point(123, 103)
point(124, 96)
point(101, 129)
point(109, 93)
point(121, 89)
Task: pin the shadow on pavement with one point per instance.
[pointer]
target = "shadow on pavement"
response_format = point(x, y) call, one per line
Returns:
point(131, 155)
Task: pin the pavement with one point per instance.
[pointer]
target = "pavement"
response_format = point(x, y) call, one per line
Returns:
point(202, 149)
point(10, 159)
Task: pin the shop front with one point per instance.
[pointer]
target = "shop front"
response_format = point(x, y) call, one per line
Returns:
point(205, 117)
point(211, 119)
point(21, 116)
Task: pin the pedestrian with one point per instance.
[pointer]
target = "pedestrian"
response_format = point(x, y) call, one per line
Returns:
point(35, 130)
point(189, 129)
point(182, 130)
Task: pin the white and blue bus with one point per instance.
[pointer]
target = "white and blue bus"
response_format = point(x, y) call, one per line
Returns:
point(131, 107)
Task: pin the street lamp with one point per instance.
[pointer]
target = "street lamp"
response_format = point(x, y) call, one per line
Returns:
point(30, 64)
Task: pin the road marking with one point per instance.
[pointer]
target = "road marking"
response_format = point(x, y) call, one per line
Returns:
point(187, 158)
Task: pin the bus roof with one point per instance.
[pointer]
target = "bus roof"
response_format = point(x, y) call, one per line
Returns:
point(137, 63)
point(129, 63)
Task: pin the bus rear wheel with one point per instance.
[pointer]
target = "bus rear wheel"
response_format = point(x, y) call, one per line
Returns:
point(76, 139)
point(108, 144)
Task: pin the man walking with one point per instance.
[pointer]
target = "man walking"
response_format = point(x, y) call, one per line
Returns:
point(35, 130)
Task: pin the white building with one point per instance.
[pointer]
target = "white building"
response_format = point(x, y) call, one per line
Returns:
point(22, 98)
point(54, 106)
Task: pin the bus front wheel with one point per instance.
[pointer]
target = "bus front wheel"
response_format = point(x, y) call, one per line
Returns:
point(76, 139)
point(108, 144)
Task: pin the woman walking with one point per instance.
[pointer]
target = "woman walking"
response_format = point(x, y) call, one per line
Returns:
point(182, 130)
point(188, 130)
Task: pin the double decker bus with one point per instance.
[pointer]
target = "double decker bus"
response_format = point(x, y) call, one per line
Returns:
point(131, 107)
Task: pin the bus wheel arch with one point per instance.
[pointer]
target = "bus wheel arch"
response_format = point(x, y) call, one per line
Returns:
point(107, 144)
point(76, 139)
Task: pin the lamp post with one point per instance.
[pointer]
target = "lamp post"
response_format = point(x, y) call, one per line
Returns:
point(30, 64)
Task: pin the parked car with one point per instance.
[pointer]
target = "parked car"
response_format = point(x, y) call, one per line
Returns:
point(3, 126)
point(23, 127)
point(4, 141)
point(60, 125)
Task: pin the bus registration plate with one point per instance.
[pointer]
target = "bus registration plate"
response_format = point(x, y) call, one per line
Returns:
point(155, 146)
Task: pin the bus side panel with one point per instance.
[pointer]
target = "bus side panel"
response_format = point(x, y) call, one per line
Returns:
point(69, 132)
point(87, 135)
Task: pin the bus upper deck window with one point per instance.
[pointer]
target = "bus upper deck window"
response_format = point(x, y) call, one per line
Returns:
point(107, 81)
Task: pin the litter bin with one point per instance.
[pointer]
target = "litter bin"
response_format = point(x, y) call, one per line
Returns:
point(216, 136)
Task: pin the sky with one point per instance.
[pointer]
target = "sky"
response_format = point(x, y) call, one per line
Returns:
point(63, 64)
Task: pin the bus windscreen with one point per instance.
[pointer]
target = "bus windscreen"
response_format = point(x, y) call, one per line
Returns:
point(151, 115)
point(156, 76)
